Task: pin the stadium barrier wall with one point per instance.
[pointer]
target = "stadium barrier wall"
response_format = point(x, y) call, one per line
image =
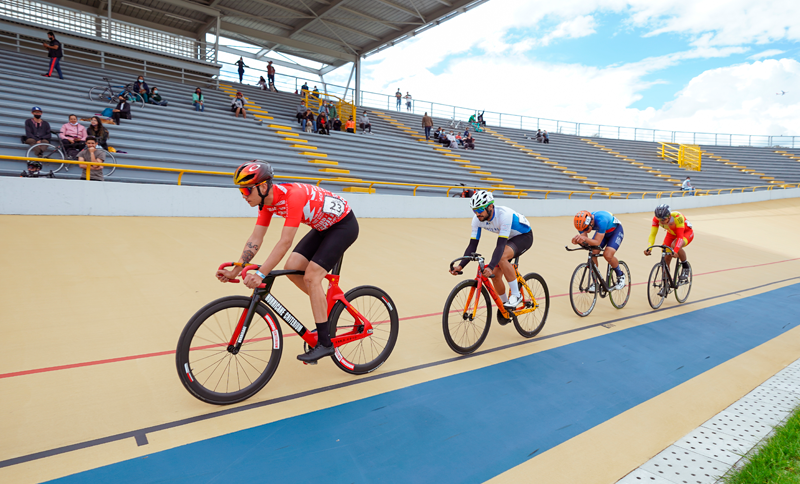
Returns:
point(42, 196)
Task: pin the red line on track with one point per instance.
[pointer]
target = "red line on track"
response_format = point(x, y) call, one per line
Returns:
point(172, 352)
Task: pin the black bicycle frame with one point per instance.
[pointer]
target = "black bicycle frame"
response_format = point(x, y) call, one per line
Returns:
point(591, 263)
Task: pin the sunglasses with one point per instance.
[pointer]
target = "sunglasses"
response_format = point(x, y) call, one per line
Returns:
point(480, 210)
point(246, 191)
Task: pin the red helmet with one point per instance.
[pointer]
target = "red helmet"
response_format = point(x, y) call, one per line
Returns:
point(253, 173)
point(583, 220)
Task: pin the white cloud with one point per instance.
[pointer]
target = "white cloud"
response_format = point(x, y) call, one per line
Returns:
point(766, 53)
point(571, 29)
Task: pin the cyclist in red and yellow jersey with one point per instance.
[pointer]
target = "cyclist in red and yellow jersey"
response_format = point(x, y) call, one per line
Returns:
point(679, 235)
point(334, 229)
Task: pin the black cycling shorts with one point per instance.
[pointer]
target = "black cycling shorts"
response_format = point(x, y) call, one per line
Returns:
point(326, 247)
point(521, 243)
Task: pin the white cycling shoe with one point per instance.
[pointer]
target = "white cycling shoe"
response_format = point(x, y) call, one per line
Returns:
point(513, 302)
point(621, 283)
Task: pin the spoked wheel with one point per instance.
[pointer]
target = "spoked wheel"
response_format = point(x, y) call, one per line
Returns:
point(136, 99)
point(54, 157)
point(109, 170)
point(102, 94)
point(367, 354)
point(619, 297)
point(581, 299)
point(466, 318)
point(657, 286)
point(529, 324)
point(684, 288)
point(209, 370)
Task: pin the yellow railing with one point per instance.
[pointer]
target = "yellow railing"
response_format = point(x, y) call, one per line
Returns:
point(343, 108)
point(689, 157)
point(519, 193)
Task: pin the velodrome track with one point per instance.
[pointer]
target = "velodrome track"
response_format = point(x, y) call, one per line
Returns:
point(91, 309)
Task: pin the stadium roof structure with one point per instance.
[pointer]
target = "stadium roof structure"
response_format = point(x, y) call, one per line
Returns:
point(331, 32)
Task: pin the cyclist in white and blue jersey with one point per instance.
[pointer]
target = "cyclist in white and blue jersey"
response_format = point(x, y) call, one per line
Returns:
point(514, 237)
point(608, 235)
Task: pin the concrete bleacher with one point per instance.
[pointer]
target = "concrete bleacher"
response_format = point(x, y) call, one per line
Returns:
point(505, 158)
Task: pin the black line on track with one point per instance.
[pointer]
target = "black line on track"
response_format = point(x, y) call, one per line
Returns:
point(140, 435)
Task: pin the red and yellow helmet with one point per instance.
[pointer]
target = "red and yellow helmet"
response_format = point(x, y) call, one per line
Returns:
point(252, 173)
point(583, 220)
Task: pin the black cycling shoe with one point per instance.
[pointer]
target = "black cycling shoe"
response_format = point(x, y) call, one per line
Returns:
point(315, 354)
point(500, 319)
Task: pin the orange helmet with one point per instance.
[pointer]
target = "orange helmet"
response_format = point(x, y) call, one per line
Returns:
point(253, 173)
point(583, 220)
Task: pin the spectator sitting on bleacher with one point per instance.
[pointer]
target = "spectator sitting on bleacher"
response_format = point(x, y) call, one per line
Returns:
point(91, 155)
point(545, 138)
point(37, 130)
point(141, 87)
point(322, 124)
point(97, 131)
point(337, 124)
point(466, 133)
point(452, 142)
point(364, 124)
point(315, 93)
point(458, 139)
point(198, 99)
point(687, 186)
point(263, 83)
point(35, 170)
point(155, 98)
point(308, 122)
point(301, 113)
point(73, 135)
point(481, 122)
point(539, 137)
point(350, 125)
point(122, 111)
point(237, 106)
point(469, 142)
point(436, 134)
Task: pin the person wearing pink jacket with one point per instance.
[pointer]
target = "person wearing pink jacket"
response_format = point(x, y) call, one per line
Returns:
point(73, 135)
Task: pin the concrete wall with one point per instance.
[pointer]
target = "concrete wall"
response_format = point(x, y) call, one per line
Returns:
point(23, 196)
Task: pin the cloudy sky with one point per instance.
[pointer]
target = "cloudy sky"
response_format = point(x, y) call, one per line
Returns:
point(707, 65)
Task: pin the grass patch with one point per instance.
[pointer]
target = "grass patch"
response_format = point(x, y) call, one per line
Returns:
point(778, 461)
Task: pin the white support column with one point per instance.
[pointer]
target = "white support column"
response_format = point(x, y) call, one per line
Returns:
point(357, 66)
point(109, 19)
point(216, 42)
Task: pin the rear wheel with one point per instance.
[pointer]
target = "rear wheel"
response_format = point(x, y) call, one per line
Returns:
point(109, 170)
point(684, 288)
point(619, 297)
point(213, 373)
point(136, 99)
point(54, 158)
point(581, 299)
point(365, 355)
point(464, 321)
point(657, 286)
point(102, 94)
point(529, 324)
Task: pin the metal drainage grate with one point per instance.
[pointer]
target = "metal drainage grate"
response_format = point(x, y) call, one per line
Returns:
point(684, 466)
point(747, 428)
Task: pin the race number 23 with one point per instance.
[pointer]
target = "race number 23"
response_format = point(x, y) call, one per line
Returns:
point(333, 205)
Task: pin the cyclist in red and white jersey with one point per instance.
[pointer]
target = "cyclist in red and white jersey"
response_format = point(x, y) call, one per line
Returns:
point(334, 229)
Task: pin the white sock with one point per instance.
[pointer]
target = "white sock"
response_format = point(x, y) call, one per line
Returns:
point(504, 298)
point(514, 288)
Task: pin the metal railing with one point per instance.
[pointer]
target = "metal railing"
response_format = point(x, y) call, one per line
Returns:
point(689, 157)
point(519, 193)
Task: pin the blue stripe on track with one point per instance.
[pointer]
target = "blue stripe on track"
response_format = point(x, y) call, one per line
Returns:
point(473, 426)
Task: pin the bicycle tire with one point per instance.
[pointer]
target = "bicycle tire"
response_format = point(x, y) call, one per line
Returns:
point(102, 94)
point(619, 298)
point(135, 98)
point(687, 286)
point(655, 283)
point(378, 308)
point(51, 152)
point(530, 324)
point(463, 333)
point(582, 278)
point(202, 351)
point(109, 170)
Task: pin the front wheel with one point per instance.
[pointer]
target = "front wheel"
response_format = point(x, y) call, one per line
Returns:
point(109, 170)
point(364, 355)
point(136, 99)
point(535, 289)
point(53, 157)
point(209, 370)
point(657, 286)
point(583, 290)
point(684, 287)
point(464, 321)
point(619, 297)
point(102, 94)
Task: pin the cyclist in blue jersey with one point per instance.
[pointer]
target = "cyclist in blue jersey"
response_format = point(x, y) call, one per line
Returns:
point(608, 235)
point(514, 237)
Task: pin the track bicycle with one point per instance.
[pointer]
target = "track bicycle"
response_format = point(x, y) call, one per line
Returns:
point(230, 348)
point(465, 321)
point(587, 283)
point(54, 154)
point(661, 283)
point(108, 94)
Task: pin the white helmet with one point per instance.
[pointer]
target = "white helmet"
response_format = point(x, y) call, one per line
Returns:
point(481, 199)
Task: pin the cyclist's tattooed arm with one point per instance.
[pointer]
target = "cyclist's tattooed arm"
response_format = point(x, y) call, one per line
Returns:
point(250, 251)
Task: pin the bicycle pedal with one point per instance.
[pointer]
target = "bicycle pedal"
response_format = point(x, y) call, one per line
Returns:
point(310, 362)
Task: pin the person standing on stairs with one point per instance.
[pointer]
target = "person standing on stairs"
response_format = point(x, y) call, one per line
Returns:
point(241, 65)
point(427, 124)
point(271, 75)
point(55, 52)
